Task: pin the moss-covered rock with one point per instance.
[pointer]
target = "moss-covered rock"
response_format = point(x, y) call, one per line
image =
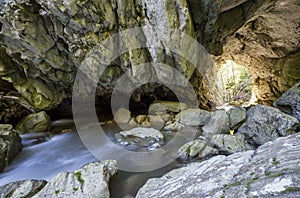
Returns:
point(10, 144)
point(38, 122)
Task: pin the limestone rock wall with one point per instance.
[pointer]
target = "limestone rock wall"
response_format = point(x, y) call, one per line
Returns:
point(44, 42)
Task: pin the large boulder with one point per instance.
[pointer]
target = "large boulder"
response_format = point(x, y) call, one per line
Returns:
point(229, 144)
point(37, 122)
point(218, 123)
point(270, 171)
point(193, 117)
point(289, 102)
point(92, 180)
point(237, 116)
point(267, 123)
point(10, 144)
point(20, 189)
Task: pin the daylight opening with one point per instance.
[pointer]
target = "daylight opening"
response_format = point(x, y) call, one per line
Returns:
point(237, 83)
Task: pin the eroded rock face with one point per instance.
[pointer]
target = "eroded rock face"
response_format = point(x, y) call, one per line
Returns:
point(265, 39)
point(45, 43)
point(272, 170)
point(22, 188)
point(289, 102)
point(10, 144)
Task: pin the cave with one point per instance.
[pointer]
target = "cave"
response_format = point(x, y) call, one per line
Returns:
point(222, 75)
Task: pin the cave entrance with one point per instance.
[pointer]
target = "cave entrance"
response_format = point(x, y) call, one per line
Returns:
point(146, 94)
point(237, 84)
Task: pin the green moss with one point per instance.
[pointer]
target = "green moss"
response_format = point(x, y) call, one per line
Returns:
point(79, 177)
point(248, 184)
point(292, 189)
point(75, 189)
point(57, 192)
point(274, 162)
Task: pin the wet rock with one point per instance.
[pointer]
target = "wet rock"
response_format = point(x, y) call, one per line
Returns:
point(122, 116)
point(272, 170)
point(289, 102)
point(237, 116)
point(265, 123)
point(173, 126)
point(229, 144)
point(141, 137)
point(21, 189)
point(38, 122)
point(10, 145)
point(162, 107)
point(92, 180)
point(218, 123)
point(35, 138)
point(193, 117)
point(143, 133)
point(196, 149)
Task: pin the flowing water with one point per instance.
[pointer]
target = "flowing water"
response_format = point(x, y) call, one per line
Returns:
point(65, 152)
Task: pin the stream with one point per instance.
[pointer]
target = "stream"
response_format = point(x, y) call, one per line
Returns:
point(44, 157)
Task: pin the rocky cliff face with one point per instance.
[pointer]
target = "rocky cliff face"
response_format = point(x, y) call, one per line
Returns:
point(264, 37)
point(43, 44)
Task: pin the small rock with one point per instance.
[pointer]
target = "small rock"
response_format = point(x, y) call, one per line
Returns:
point(193, 117)
point(237, 116)
point(37, 122)
point(19, 189)
point(156, 122)
point(265, 123)
point(289, 102)
point(173, 126)
point(218, 124)
point(122, 116)
point(92, 180)
point(229, 144)
point(140, 119)
point(196, 148)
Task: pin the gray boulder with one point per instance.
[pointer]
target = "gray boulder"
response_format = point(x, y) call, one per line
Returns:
point(91, 180)
point(21, 189)
point(229, 144)
point(10, 144)
point(271, 171)
point(219, 123)
point(37, 122)
point(289, 102)
point(267, 123)
point(196, 149)
point(237, 116)
point(193, 117)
